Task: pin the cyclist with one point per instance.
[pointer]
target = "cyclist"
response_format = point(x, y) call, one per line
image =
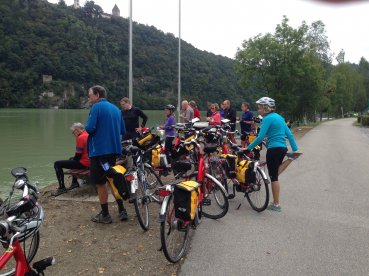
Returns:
point(170, 132)
point(246, 123)
point(275, 129)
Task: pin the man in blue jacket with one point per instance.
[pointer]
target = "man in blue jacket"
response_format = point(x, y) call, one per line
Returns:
point(104, 126)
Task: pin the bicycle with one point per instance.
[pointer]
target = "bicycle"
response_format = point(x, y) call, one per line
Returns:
point(174, 232)
point(143, 183)
point(22, 225)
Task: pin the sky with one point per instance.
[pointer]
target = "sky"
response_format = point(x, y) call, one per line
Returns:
point(220, 26)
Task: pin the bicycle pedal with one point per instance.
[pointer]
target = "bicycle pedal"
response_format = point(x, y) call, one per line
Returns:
point(206, 202)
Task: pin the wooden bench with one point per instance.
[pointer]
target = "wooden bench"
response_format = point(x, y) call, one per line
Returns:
point(84, 173)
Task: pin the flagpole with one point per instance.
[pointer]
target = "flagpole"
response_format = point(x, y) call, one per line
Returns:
point(179, 58)
point(130, 85)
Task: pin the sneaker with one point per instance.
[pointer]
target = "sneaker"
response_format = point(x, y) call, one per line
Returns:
point(293, 155)
point(273, 207)
point(73, 186)
point(99, 218)
point(123, 215)
point(59, 191)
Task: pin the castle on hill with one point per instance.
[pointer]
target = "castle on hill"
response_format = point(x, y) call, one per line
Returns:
point(115, 10)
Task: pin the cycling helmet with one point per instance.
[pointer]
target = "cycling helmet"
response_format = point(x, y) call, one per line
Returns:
point(266, 101)
point(170, 107)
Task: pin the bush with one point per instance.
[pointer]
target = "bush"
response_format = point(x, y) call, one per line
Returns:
point(359, 119)
point(365, 120)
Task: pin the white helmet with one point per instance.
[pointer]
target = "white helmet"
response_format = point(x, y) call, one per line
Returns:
point(266, 101)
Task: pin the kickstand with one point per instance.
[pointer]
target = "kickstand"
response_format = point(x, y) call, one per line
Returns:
point(239, 206)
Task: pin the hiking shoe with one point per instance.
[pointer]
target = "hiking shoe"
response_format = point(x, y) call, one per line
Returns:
point(293, 155)
point(73, 186)
point(99, 218)
point(273, 207)
point(123, 215)
point(59, 191)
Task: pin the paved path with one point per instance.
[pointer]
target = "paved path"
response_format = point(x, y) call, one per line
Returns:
point(323, 228)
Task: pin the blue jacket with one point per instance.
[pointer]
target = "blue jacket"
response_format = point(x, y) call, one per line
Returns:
point(275, 129)
point(104, 126)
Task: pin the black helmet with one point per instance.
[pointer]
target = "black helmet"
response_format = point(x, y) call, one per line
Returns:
point(170, 107)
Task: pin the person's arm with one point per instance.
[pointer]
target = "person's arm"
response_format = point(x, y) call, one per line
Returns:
point(217, 119)
point(249, 119)
point(263, 130)
point(122, 126)
point(92, 121)
point(291, 139)
point(143, 116)
point(79, 148)
point(233, 116)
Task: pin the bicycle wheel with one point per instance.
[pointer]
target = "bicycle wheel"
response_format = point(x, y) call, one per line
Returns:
point(258, 196)
point(153, 182)
point(30, 247)
point(215, 203)
point(141, 202)
point(173, 241)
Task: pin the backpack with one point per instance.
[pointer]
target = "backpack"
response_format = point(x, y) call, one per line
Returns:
point(246, 172)
point(185, 200)
point(119, 186)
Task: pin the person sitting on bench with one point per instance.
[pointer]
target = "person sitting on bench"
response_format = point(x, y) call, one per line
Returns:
point(79, 161)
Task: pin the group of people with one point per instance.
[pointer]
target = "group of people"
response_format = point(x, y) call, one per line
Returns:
point(99, 143)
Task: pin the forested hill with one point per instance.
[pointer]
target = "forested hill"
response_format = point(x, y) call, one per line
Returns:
point(80, 48)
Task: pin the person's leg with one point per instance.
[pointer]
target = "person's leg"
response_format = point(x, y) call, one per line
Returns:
point(169, 148)
point(59, 173)
point(284, 165)
point(275, 191)
point(97, 177)
point(274, 159)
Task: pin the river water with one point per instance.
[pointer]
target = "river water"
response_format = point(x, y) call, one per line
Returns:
point(36, 138)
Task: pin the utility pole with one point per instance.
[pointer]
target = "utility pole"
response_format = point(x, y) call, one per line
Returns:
point(130, 77)
point(179, 58)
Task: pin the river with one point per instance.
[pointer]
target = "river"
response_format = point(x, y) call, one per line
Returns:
point(36, 138)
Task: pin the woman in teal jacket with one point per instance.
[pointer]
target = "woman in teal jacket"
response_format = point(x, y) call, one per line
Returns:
point(275, 129)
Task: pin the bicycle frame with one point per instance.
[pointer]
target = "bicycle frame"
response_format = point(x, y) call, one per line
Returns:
point(15, 250)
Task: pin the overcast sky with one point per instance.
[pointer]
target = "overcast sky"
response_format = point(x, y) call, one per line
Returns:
point(220, 26)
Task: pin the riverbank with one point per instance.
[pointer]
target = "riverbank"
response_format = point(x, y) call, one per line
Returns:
point(82, 247)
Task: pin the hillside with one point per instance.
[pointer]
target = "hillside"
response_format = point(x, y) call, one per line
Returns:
point(80, 48)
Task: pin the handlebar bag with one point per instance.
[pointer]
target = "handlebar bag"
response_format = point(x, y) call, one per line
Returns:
point(186, 196)
point(246, 172)
point(119, 186)
point(146, 141)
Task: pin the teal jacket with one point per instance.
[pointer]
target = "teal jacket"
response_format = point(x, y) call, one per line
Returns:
point(275, 129)
point(104, 126)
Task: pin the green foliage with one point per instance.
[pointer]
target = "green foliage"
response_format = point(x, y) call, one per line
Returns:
point(294, 66)
point(81, 48)
point(364, 120)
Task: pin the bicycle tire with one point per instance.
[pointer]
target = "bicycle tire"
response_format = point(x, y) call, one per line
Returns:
point(168, 227)
point(30, 253)
point(153, 182)
point(213, 193)
point(254, 195)
point(141, 205)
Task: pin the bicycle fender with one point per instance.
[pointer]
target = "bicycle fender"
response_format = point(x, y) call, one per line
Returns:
point(163, 208)
point(217, 182)
point(264, 176)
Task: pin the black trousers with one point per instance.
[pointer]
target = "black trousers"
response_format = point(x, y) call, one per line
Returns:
point(66, 164)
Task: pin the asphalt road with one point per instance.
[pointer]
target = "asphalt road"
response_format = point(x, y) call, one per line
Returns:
point(323, 228)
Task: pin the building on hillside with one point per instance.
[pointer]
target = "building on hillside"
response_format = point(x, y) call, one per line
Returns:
point(76, 4)
point(116, 11)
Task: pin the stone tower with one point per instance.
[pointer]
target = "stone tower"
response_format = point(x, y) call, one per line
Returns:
point(76, 4)
point(116, 10)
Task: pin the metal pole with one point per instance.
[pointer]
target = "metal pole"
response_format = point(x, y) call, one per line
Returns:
point(179, 57)
point(130, 85)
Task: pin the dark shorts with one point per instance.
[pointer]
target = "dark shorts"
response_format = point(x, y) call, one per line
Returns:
point(274, 158)
point(97, 173)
